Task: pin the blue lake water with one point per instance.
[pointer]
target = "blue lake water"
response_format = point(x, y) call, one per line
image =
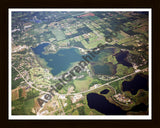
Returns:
point(139, 82)
point(61, 60)
point(101, 104)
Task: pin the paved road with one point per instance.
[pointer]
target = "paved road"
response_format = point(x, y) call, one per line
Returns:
point(30, 83)
point(108, 83)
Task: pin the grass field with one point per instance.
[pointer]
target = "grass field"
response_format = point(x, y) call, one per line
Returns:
point(82, 85)
point(92, 43)
point(23, 107)
point(59, 34)
point(28, 105)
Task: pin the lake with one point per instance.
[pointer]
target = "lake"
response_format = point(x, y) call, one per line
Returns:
point(139, 82)
point(122, 58)
point(101, 104)
point(59, 61)
point(105, 69)
point(100, 67)
point(140, 107)
point(105, 91)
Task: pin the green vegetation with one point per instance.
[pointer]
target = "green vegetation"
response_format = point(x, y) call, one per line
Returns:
point(15, 83)
point(82, 85)
point(123, 70)
point(112, 59)
point(20, 92)
point(28, 105)
point(22, 52)
point(81, 110)
point(69, 104)
point(117, 85)
point(22, 107)
point(93, 42)
point(143, 66)
point(32, 94)
point(75, 112)
point(97, 81)
point(119, 36)
point(59, 34)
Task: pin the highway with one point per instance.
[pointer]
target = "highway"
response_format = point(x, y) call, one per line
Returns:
point(106, 84)
point(29, 83)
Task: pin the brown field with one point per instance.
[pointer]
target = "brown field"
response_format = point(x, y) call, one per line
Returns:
point(24, 94)
point(15, 94)
point(36, 105)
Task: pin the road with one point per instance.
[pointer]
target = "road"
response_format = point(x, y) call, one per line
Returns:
point(29, 83)
point(108, 83)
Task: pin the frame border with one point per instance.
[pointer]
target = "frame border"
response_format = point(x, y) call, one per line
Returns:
point(80, 117)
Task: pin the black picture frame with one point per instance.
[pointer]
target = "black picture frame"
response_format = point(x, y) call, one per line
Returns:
point(153, 4)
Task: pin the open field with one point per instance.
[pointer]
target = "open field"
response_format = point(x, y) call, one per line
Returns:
point(59, 34)
point(15, 94)
point(92, 43)
point(28, 105)
point(82, 85)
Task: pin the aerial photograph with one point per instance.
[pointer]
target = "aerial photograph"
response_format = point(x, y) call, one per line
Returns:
point(79, 63)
